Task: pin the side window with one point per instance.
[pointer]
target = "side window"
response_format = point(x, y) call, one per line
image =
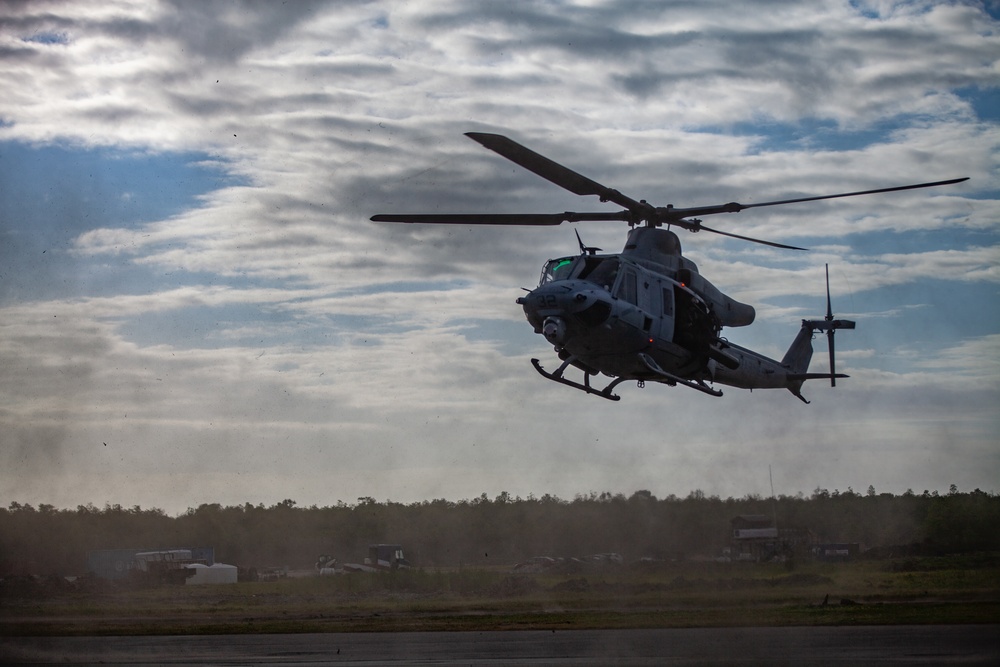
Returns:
point(627, 288)
point(668, 302)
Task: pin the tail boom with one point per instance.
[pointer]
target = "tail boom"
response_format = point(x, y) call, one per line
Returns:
point(755, 371)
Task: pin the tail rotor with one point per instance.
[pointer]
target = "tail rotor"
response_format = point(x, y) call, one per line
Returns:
point(830, 325)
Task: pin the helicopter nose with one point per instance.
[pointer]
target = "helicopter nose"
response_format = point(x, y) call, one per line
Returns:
point(572, 305)
point(546, 300)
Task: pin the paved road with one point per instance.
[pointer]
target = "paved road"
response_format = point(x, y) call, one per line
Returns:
point(882, 645)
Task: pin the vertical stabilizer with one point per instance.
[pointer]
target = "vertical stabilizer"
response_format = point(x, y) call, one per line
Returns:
point(800, 352)
point(797, 359)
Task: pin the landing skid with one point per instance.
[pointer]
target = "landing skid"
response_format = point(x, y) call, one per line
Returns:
point(673, 379)
point(557, 376)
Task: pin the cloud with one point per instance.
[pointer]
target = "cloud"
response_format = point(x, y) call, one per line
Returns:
point(271, 332)
point(977, 357)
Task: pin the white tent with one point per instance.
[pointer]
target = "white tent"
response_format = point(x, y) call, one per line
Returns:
point(219, 573)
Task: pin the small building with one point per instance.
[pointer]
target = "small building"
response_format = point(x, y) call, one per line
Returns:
point(116, 564)
point(217, 573)
point(755, 538)
point(753, 526)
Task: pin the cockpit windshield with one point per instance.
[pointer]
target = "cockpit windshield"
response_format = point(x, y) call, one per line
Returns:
point(601, 271)
point(557, 269)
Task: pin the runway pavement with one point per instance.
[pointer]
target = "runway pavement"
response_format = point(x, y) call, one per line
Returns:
point(870, 645)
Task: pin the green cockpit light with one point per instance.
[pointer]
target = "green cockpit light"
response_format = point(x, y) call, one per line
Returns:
point(557, 269)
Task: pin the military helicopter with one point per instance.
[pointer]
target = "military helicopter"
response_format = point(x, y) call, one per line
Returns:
point(646, 313)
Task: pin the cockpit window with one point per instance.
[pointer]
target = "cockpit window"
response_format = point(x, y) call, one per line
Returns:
point(601, 271)
point(557, 269)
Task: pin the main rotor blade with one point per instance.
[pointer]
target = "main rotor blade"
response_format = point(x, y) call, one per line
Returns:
point(742, 207)
point(749, 238)
point(532, 219)
point(551, 171)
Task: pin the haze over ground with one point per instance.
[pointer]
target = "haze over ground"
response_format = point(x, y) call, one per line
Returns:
point(194, 307)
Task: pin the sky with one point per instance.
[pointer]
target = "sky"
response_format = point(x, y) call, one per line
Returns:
point(195, 307)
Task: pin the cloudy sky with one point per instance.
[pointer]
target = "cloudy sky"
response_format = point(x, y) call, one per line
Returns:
point(194, 306)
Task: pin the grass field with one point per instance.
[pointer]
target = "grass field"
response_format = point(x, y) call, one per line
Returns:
point(932, 590)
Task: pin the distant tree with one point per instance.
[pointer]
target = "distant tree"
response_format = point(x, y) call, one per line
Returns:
point(480, 531)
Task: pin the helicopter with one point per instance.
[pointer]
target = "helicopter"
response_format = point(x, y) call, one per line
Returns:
point(646, 314)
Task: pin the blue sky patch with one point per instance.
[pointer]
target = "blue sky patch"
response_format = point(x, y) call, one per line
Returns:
point(811, 134)
point(47, 38)
point(985, 101)
point(51, 195)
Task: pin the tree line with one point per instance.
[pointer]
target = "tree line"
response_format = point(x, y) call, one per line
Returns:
point(503, 530)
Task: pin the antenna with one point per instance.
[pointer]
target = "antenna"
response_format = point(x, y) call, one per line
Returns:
point(585, 250)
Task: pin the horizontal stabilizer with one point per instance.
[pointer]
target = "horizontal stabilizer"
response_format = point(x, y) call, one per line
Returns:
point(828, 325)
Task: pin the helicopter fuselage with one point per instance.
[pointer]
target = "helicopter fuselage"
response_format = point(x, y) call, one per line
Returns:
point(606, 324)
point(647, 314)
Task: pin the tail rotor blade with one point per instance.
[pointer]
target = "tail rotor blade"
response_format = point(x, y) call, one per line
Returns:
point(833, 369)
point(829, 332)
point(829, 308)
point(831, 325)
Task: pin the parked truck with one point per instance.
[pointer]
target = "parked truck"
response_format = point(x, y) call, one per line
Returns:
point(381, 557)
